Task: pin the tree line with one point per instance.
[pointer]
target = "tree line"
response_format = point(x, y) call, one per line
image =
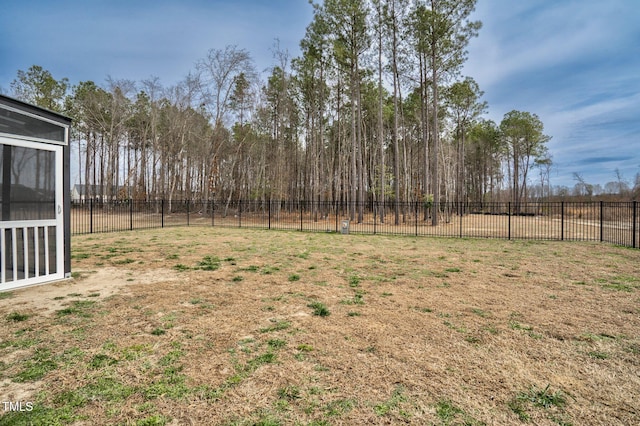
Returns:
point(374, 109)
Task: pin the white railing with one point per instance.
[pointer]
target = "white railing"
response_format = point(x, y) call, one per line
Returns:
point(25, 255)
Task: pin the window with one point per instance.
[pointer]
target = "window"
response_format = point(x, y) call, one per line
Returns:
point(30, 192)
point(15, 123)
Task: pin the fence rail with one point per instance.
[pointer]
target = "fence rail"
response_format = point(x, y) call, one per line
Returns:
point(612, 222)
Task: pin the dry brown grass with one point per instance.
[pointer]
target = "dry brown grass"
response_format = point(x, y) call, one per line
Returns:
point(420, 331)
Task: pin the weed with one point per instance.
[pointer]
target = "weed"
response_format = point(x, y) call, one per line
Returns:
point(250, 268)
point(319, 309)
point(358, 299)
point(518, 408)
point(339, 407)
point(393, 402)
point(618, 287)
point(480, 312)
point(78, 308)
point(543, 398)
point(266, 358)
point(279, 325)
point(472, 339)
point(276, 343)
point(454, 327)
point(448, 413)
point(353, 314)
point(354, 281)
point(180, 267)
point(17, 317)
point(209, 263)
point(453, 270)
point(268, 270)
point(305, 348)
point(289, 393)
point(237, 278)
point(101, 361)
point(158, 331)
point(294, 277)
point(598, 355)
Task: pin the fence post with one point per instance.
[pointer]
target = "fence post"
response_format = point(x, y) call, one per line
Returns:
point(240, 213)
point(213, 212)
point(416, 218)
point(130, 214)
point(634, 227)
point(269, 212)
point(375, 205)
point(562, 221)
point(91, 215)
point(300, 204)
point(509, 220)
point(187, 201)
point(601, 221)
point(461, 216)
point(162, 212)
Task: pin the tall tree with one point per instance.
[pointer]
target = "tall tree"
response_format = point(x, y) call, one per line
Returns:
point(463, 100)
point(347, 21)
point(485, 153)
point(37, 86)
point(524, 136)
point(443, 30)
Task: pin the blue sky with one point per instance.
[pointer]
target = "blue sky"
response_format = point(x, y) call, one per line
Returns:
point(574, 63)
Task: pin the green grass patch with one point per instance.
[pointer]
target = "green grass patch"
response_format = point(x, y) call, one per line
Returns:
point(101, 361)
point(277, 326)
point(450, 414)
point(17, 317)
point(354, 281)
point(339, 407)
point(391, 404)
point(181, 267)
point(37, 366)
point(358, 299)
point(78, 308)
point(319, 309)
point(276, 343)
point(537, 398)
point(209, 263)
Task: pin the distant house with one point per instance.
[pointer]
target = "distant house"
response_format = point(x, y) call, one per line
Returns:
point(80, 193)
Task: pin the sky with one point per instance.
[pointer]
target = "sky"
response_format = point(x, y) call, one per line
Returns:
point(574, 63)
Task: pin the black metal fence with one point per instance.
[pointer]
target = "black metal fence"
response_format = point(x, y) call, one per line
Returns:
point(612, 222)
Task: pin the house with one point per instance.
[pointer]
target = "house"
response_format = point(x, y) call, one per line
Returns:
point(81, 193)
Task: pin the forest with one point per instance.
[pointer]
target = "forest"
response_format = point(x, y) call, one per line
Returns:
point(374, 109)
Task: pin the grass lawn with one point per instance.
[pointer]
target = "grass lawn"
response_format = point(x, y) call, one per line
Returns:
point(204, 326)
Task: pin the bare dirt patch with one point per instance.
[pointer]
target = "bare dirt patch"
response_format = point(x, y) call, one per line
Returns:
point(226, 326)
